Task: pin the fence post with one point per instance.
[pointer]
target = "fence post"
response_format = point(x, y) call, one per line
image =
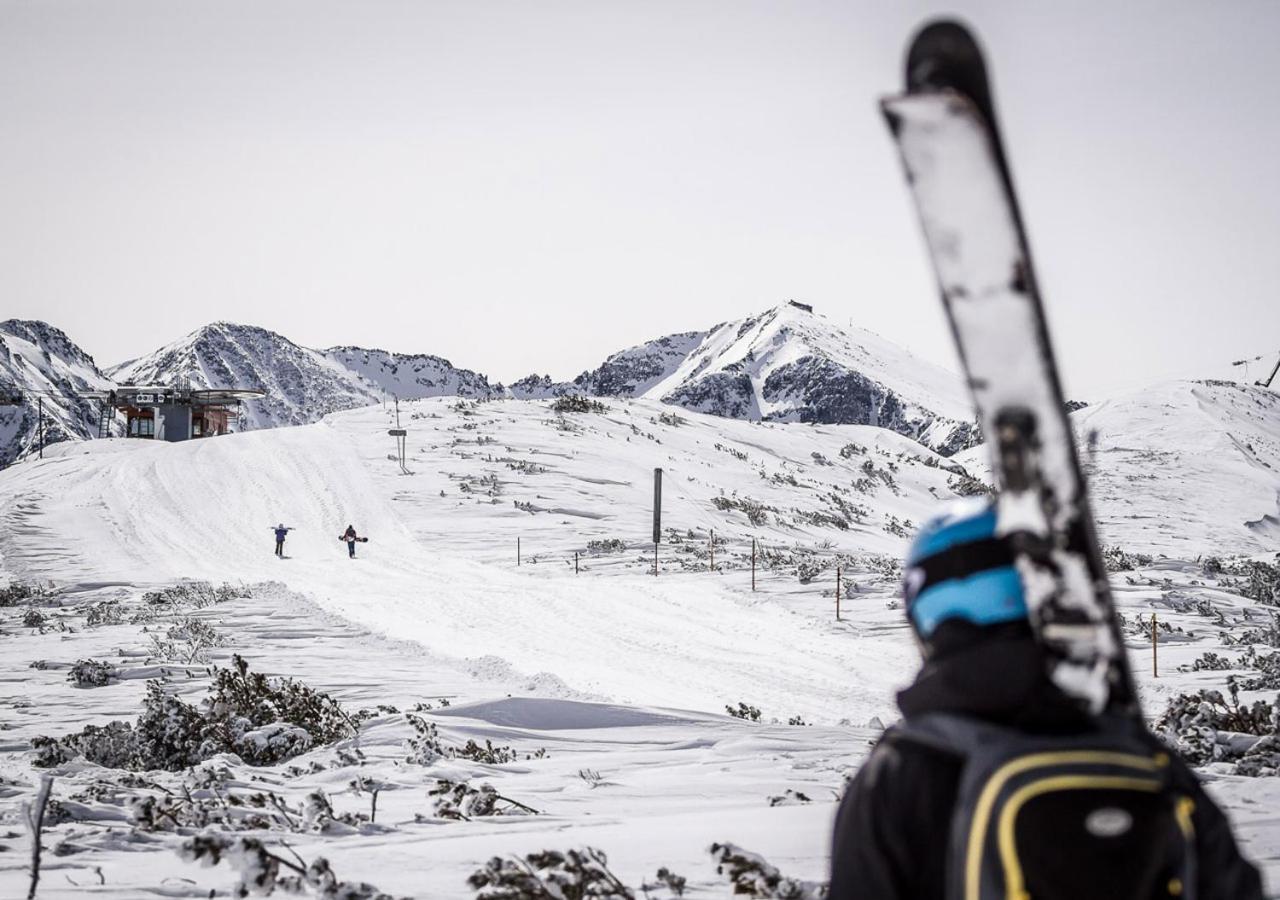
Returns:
point(1155, 669)
point(655, 559)
point(713, 549)
point(837, 593)
point(753, 564)
point(575, 562)
point(517, 550)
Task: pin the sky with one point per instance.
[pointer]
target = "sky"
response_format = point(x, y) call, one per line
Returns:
point(529, 186)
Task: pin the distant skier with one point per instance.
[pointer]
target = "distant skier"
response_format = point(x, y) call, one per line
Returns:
point(281, 532)
point(351, 538)
point(999, 784)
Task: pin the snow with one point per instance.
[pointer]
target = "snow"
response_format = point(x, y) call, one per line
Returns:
point(622, 677)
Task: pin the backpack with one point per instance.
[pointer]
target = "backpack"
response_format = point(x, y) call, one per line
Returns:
point(1095, 816)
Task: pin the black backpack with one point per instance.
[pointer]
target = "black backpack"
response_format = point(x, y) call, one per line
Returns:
point(1094, 816)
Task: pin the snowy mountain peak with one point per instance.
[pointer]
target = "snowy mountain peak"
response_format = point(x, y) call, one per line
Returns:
point(789, 363)
point(52, 372)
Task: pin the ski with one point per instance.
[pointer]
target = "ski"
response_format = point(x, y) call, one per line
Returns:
point(946, 132)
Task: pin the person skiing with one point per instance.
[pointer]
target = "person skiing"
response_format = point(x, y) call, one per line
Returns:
point(925, 819)
point(281, 531)
point(351, 537)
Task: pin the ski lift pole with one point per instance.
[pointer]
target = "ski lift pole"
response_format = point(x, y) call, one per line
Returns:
point(1155, 669)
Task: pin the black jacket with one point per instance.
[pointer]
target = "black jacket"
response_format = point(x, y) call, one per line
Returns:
point(891, 832)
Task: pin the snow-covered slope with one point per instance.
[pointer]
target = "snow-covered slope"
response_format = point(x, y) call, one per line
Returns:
point(410, 376)
point(440, 565)
point(790, 364)
point(302, 385)
point(1186, 467)
point(37, 358)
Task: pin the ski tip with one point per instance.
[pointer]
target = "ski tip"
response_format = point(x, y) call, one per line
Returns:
point(945, 55)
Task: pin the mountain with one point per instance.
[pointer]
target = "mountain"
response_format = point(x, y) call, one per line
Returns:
point(410, 376)
point(49, 368)
point(789, 364)
point(1186, 467)
point(302, 385)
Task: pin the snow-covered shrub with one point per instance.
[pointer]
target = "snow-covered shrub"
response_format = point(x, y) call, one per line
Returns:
point(262, 720)
point(665, 878)
point(606, 545)
point(672, 419)
point(23, 591)
point(753, 876)
point(195, 594)
point(319, 817)
point(808, 569)
point(91, 673)
point(573, 403)
point(264, 872)
point(1268, 634)
point(494, 756)
point(756, 513)
point(424, 747)
point(186, 641)
point(848, 451)
point(744, 711)
point(33, 618)
point(965, 485)
point(790, 798)
point(106, 612)
point(459, 800)
point(571, 875)
point(1212, 662)
point(1268, 667)
point(1116, 560)
point(1207, 728)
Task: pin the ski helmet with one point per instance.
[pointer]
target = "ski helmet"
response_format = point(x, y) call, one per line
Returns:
point(959, 568)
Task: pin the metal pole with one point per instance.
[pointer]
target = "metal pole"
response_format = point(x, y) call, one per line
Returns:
point(713, 549)
point(1155, 669)
point(575, 562)
point(837, 593)
point(655, 559)
point(753, 564)
point(517, 550)
point(40, 403)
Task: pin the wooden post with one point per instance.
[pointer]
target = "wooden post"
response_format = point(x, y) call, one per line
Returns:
point(713, 549)
point(837, 593)
point(1155, 669)
point(40, 402)
point(753, 564)
point(655, 559)
point(517, 550)
point(575, 562)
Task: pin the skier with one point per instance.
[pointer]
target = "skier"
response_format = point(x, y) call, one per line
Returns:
point(281, 531)
point(907, 827)
point(351, 537)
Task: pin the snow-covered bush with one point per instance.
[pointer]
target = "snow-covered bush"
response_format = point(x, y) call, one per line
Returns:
point(23, 591)
point(195, 594)
point(744, 711)
point(106, 612)
point(573, 403)
point(264, 721)
point(186, 641)
point(1207, 728)
point(606, 545)
point(1117, 560)
point(459, 800)
point(753, 876)
point(571, 875)
point(757, 513)
point(91, 673)
point(264, 872)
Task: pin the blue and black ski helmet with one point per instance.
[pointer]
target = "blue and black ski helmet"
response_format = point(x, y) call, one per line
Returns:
point(959, 568)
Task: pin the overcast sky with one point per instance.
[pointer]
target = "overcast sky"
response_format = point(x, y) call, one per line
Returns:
point(530, 186)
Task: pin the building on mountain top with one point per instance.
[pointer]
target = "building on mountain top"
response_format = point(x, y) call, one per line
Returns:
point(172, 413)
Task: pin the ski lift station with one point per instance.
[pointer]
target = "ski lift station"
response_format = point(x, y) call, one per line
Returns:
point(166, 413)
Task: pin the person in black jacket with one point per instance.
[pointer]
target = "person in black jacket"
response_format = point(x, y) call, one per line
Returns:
point(981, 660)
